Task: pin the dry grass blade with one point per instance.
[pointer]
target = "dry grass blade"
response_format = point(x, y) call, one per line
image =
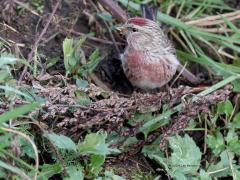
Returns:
point(217, 30)
point(26, 7)
point(214, 20)
point(33, 51)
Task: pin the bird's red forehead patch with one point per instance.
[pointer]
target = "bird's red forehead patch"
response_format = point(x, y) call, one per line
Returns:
point(138, 21)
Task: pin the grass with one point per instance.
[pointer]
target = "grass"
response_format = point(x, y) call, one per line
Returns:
point(205, 32)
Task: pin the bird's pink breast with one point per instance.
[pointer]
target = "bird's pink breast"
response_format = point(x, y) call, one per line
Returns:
point(145, 73)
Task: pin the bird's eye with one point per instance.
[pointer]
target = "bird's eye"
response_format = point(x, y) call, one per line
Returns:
point(134, 29)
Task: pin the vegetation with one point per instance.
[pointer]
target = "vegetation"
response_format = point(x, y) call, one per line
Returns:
point(62, 120)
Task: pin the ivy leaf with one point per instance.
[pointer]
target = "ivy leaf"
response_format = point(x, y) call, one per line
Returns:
point(225, 107)
point(81, 83)
point(61, 141)
point(216, 142)
point(75, 173)
point(186, 156)
point(95, 143)
point(184, 160)
point(204, 175)
point(153, 149)
point(222, 168)
point(234, 146)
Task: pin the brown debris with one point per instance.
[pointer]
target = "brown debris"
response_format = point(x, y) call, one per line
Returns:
point(191, 110)
point(110, 110)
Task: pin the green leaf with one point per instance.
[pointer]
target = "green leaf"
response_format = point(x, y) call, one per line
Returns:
point(95, 165)
point(83, 98)
point(94, 143)
point(204, 176)
point(94, 59)
point(48, 170)
point(231, 134)
point(153, 149)
point(7, 59)
point(26, 149)
point(184, 160)
point(51, 62)
point(236, 120)
point(186, 156)
point(161, 161)
point(61, 141)
point(75, 173)
point(216, 142)
point(236, 86)
point(234, 146)
point(67, 52)
point(129, 142)
point(222, 168)
point(225, 107)
point(5, 140)
point(72, 54)
point(16, 112)
point(155, 123)
point(111, 176)
point(14, 170)
point(81, 83)
point(16, 91)
point(105, 16)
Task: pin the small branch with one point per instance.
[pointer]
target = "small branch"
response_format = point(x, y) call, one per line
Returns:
point(115, 10)
point(109, 30)
point(33, 51)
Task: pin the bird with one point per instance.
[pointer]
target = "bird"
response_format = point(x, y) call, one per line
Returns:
point(149, 60)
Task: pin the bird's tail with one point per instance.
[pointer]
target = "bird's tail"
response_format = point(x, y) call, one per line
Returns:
point(149, 12)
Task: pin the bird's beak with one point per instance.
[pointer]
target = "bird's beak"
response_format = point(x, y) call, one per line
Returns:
point(123, 29)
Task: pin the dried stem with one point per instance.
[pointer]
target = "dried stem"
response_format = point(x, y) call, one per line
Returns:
point(33, 51)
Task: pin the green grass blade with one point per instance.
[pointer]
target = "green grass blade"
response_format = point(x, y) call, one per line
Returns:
point(16, 112)
point(13, 169)
point(16, 91)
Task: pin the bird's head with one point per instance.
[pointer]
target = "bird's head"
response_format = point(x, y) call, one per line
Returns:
point(140, 32)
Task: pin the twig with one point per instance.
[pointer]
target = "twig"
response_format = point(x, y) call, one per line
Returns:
point(109, 30)
point(92, 38)
point(33, 51)
point(115, 9)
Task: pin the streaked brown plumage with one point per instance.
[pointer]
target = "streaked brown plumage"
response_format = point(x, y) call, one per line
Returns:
point(149, 60)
